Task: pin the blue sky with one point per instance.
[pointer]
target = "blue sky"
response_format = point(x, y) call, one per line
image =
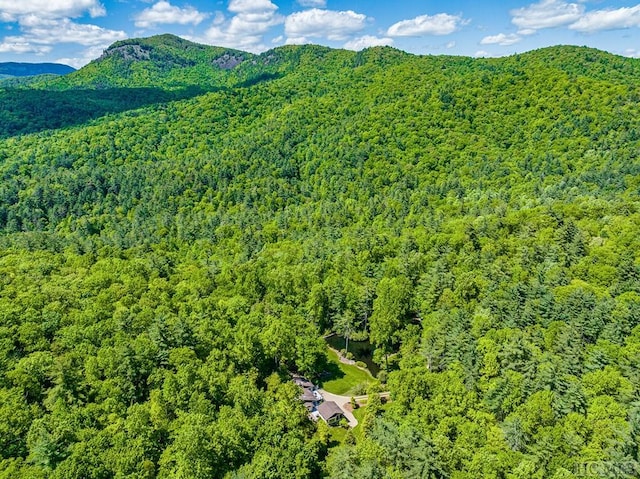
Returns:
point(77, 31)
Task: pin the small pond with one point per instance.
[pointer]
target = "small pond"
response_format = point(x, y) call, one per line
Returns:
point(361, 350)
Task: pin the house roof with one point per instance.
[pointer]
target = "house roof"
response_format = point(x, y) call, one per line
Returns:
point(302, 382)
point(307, 395)
point(329, 409)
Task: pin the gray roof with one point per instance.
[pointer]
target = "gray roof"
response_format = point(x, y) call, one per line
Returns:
point(302, 382)
point(307, 395)
point(329, 409)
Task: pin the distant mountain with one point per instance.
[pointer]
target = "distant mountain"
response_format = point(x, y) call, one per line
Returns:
point(138, 72)
point(14, 69)
point(170, 62)
point(165, 61)
point(577, 62)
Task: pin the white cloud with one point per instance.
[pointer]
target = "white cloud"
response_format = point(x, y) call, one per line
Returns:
point(329, 24)
point(21, 46)
point(40, 35)
point(165, 13)
point(501, 39)
point(608, 19)
point(450, 44)
point(367, 41)
point(218, 19)
point(632, 52)
point(221, 36)
point(313, 3)
point(51, 32)
point(46, 23)
point(12, 9)
point(248, 7)
point(482, 54)
point(254, 24)
point(545, 14)
point(246, 29)
point(439, 24)
point(87, 55)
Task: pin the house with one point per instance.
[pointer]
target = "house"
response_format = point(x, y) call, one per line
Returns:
point(307, 395)
point(313, 401)
point(310, 396)
point(330, 412)
point(304, 383)
point(309, 399)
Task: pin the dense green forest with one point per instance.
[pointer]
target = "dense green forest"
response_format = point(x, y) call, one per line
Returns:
point(181, 224)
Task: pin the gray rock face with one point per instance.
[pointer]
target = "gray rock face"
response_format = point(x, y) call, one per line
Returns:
point(128, 52)
point(228, 61)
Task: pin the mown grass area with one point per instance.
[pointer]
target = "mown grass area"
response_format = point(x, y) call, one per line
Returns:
point(338, 435)
point(359, 414)
point(345, 379)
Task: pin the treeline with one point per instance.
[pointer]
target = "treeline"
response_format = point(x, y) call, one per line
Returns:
point(163, 268)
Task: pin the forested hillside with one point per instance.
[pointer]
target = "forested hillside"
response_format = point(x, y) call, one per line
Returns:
point(13, 69)
point(168, 255)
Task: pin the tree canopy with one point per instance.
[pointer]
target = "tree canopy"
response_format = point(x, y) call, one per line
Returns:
point(190, 221)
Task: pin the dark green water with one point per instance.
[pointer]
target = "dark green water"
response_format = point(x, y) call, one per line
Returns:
point(361, 350)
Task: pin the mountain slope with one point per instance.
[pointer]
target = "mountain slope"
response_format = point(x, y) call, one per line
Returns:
point(581, 62)
point(170, 62)
point(163, 61)
point(162, 269)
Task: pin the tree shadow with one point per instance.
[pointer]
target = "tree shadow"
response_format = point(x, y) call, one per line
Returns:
point(330, 371)
point(259, 78)
point(24, 111)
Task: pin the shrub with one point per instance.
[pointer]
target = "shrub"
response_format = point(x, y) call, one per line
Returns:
point(360, 389)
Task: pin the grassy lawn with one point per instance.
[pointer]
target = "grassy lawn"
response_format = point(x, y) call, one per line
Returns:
point(359, 414)
point(344, 377)
point(338, 435)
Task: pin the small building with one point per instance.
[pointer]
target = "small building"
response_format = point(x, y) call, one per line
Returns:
point(310, 396)
point(304, 383)
point(309, 399)
point(330, 412)
point(307, 395)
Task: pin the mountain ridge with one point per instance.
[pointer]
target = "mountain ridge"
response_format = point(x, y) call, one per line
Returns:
point(172, 68)
point(170, 61)
point(165, 60)
point(20, 69)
